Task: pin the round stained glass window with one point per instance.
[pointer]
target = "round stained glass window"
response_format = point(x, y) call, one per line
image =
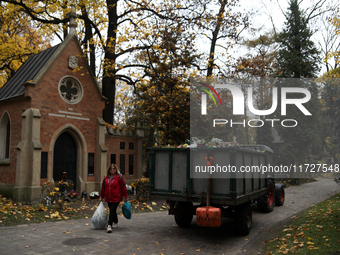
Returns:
point(70, 90)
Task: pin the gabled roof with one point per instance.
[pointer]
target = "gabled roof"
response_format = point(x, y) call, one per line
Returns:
point(27, 72)
point(32, 71)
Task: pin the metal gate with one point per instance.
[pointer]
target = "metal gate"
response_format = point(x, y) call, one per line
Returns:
point(65, 158)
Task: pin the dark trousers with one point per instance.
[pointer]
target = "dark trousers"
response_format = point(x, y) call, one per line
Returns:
point(113, 213)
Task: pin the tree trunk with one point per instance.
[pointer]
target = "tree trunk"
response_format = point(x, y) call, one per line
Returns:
point(109, 81)
point(214, 38)
point(87, 38)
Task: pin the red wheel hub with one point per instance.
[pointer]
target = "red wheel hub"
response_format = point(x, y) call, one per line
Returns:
point(271, 196)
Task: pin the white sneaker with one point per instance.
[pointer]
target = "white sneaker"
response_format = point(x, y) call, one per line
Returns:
point(115, 225)
point(109, 229)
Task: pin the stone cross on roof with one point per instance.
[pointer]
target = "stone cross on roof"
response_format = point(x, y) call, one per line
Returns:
point(72, 25)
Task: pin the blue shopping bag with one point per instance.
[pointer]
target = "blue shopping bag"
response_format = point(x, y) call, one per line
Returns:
point(127, 210)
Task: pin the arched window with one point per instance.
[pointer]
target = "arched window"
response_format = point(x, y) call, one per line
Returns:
point(5, 134)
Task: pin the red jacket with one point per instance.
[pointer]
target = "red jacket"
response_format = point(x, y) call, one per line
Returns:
point(113, 190)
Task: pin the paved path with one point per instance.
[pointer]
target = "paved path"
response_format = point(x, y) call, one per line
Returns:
point(156, 232)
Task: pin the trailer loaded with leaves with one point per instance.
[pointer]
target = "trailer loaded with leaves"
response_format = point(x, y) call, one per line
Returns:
point(210, 198)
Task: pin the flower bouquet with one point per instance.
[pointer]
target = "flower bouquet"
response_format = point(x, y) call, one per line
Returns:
point(72, 195)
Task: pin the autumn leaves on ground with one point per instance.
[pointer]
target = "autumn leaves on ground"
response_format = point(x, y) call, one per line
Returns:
point(315, 231)
point(17, 214)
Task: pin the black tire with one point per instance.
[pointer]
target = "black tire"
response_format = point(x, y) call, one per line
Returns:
point(243, 219)
point(266, 202)
point(184, 218)
point(279, 194)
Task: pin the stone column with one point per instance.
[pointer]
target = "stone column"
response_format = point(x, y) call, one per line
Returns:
point(140, 135)
point(27, 181)
point(101, 154)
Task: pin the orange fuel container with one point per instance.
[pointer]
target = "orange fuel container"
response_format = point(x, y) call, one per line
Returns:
point(208, 216)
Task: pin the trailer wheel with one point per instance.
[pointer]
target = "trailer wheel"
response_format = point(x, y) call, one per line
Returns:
point(244, 219)
point(266, 202)
point(184, 217)
point(279, 194)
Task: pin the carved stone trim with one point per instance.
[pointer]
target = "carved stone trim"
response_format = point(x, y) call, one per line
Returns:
point(70, 89)
point(72, 62)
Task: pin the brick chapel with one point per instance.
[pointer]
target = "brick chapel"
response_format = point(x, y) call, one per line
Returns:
point(51, 122)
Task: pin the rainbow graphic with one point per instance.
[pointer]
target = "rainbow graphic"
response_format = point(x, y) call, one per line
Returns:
point(209, 93)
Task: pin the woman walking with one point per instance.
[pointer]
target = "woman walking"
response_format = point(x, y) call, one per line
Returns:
point(113, 190)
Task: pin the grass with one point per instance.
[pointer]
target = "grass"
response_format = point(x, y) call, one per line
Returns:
point(315, 231)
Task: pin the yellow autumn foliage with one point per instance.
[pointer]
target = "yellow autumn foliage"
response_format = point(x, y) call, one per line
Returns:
point(19, 39)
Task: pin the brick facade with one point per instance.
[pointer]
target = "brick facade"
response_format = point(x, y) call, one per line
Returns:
point(14, 108)
point(41, 115)
point(116, 155)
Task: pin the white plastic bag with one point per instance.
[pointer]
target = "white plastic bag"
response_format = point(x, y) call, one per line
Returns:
point(99, 218)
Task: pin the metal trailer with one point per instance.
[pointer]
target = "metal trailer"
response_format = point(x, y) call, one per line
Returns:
point(170, 179)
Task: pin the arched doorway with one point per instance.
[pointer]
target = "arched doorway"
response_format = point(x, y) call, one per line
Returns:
point(65, 158)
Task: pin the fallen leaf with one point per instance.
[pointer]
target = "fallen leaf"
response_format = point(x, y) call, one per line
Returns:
point(150, 208)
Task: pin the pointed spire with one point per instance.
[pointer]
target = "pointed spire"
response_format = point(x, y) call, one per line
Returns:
point(72, 25)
